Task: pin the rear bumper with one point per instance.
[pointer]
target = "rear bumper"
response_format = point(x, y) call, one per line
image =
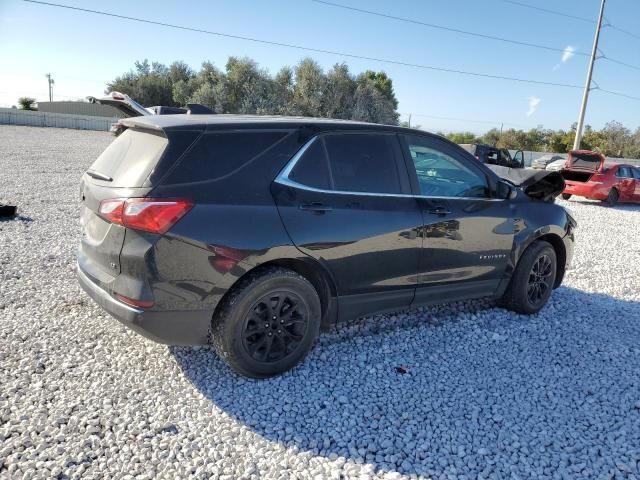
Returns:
point(595, 191)
point(168, 327)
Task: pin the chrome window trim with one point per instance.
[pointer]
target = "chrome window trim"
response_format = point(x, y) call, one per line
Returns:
point(283, 179)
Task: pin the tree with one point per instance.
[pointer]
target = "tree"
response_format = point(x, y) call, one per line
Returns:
point(308, 89)
point(339, 93)
point(463, 137)
point(371, 105)
point(384, 85)
point(243, 87)
point(27, 103)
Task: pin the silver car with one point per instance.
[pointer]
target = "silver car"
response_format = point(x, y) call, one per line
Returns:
point(542, 162)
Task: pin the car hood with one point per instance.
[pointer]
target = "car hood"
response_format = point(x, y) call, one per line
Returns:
point(539, 184)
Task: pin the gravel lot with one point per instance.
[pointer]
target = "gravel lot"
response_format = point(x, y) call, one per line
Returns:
point(486, 393)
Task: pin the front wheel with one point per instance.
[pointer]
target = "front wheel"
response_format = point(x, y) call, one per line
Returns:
point(268, 323)
point(566, 196)
point(532, 280)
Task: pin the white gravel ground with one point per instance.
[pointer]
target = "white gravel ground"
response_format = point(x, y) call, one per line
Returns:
point(487, 394)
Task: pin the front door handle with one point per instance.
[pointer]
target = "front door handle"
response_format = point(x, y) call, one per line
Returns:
point(441, 212)
point(315, 207)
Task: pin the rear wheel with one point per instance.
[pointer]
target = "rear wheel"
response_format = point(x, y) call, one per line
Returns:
point(613, 197)
point(532, 280)
point(566, 196)
point(268, 323)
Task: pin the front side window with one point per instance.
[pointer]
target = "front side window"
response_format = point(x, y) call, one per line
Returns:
point(636, 173)
point(350, 163)
point(441, 174)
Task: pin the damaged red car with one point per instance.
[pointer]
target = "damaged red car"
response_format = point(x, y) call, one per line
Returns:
point(587, 174)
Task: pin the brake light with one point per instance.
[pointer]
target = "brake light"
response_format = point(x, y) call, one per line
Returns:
point(154, 215)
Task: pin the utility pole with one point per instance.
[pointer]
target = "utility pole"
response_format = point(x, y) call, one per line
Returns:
point(51, 82)
point(587, 86)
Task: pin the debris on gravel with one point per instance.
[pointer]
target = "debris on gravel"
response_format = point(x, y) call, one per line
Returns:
point(465, 390)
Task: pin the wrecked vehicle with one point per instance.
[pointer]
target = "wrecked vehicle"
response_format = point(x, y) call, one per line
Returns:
point(128, 107)
point(252, 233)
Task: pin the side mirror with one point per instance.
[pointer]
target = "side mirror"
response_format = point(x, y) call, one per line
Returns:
point(505, 190)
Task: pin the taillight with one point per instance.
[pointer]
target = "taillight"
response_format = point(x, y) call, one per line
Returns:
point(155, 215)
point(111, 210)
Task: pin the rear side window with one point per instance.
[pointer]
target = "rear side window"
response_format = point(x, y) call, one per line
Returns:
point(350, 163)
point(636, 173)
point(217, 155)
point(130, 158)
point(623, 172)
point(363, 163)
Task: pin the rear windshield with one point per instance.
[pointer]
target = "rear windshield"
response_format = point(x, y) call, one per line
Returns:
point(585, 160)
point(130, 158)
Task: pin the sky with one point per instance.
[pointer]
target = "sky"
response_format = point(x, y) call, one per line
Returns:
point(82, 51)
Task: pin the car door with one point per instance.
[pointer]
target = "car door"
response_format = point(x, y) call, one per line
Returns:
point(346, 201)
point(625, 183)
point(636, 177)
point(467, 234)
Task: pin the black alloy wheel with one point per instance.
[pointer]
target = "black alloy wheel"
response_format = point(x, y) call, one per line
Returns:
point(613, 197)
point(540, 279)
point(275, 326)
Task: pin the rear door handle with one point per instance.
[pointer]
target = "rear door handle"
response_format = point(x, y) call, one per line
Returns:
point(441, 212)
point(315, 207)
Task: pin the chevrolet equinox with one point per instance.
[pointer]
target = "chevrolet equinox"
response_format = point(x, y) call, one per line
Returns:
point(253, 233)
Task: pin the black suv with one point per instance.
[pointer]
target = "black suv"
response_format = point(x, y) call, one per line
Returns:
point(252, 233)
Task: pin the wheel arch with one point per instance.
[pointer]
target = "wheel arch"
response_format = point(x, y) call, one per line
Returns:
point(310, 269)
point(561, 254)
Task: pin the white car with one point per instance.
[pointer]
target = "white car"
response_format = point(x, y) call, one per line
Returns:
point(556, 165)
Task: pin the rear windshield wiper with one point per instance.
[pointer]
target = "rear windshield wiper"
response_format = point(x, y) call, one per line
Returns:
point(99, 176)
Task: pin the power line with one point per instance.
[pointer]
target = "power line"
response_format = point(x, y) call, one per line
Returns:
point(466, 32)
point(309, 49)
point(575, 17)
point(449, 29)
point(546, 10)
point(626, 32)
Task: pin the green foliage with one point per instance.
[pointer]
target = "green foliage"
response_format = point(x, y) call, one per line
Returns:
point(27, 103)
point(243, 87)
point(614, 140)
point(463, 137)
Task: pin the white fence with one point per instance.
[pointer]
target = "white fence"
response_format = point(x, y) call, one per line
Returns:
point(13, 116)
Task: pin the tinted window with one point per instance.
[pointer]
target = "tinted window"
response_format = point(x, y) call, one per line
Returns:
point(442, 175)
point(636, 173)
point(219, 154)
point(363, 163)
point(312, 169)
point(129, 159)
point(624, 172)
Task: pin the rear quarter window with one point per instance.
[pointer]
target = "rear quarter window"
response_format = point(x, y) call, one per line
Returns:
point(217, 155)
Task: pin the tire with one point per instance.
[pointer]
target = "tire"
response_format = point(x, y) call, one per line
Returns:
point(518, 296)
point(612, 198)
point(268, 323)
point(566, 196)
